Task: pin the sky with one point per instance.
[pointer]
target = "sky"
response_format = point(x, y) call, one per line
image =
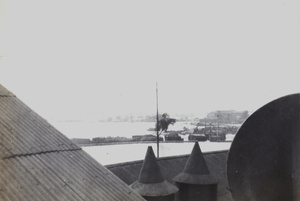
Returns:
point(68, 59)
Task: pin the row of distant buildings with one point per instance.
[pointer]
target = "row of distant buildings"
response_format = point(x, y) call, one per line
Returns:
point(147, 118)
point(223, 116)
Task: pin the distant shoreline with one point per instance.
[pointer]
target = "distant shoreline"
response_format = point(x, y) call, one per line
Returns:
point(117, 143)
point(140, 142)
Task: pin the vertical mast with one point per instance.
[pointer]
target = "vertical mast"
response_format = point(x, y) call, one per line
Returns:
point(218, 114)
point(157, 136)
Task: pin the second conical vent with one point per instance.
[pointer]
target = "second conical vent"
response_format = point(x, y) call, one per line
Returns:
point(195, 171)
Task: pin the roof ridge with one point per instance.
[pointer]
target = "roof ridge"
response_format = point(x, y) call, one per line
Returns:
point(41, 152)
point(5, 92)
point(7, 95)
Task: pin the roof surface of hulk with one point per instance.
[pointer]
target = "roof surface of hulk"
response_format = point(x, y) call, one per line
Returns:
point(37, 162)
point(172, 166)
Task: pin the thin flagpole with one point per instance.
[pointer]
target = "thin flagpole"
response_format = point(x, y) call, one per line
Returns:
point(157, 136)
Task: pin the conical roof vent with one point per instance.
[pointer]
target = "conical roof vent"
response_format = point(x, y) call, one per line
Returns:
point(151, 182)
point(195, 170)
point(150, 172)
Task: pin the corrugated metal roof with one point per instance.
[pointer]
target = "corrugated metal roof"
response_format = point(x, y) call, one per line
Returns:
point(172, 166)
point(5, 92)
point(25, 132)
point(39, 163)
point(67, 175)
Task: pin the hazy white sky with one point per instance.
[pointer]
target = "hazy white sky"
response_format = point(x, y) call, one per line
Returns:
point(67, 57)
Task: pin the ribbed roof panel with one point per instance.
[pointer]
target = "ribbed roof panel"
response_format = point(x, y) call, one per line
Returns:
point(67, 175)
point(24, 132)
point(5, 92)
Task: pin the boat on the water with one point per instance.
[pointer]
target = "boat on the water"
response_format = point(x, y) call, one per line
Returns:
point(211, 133)
point(197, 137)
point(151, 129)
point(148, 138)
point(173, 137)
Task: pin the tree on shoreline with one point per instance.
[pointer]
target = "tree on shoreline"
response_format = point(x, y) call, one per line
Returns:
point(163, 123)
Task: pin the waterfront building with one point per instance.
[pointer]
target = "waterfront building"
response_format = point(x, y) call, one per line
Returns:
point(227, 116)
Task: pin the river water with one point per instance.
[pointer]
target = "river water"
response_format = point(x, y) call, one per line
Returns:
point(111, 154)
